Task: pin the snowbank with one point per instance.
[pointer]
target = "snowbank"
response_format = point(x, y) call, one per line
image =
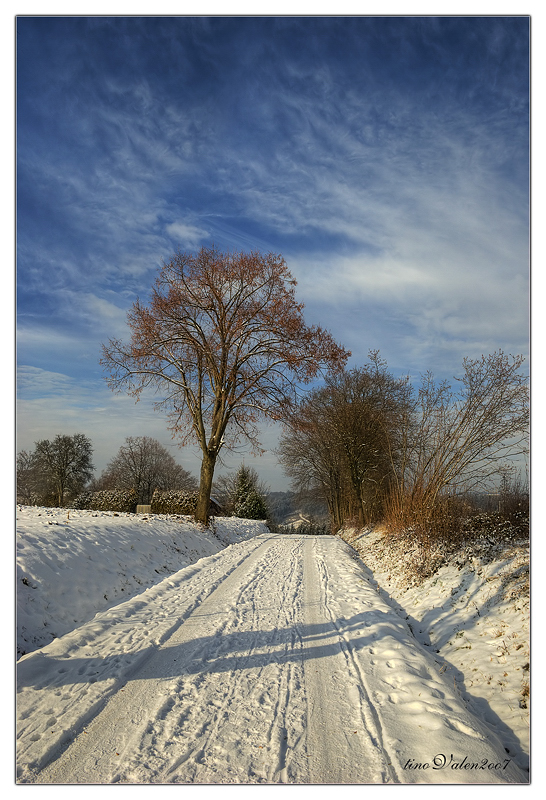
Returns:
point(73, 564)
point(474, 613)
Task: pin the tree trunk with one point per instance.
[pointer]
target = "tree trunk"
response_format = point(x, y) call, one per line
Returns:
point(60, 494)
point(205, 488)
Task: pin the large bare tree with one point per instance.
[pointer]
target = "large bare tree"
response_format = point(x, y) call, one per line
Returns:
point(224, 342)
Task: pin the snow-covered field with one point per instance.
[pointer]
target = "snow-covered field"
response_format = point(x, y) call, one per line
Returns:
point(72, 564)
point(240, 656)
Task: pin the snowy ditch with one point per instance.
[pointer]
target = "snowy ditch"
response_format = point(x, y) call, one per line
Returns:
point(473, 613)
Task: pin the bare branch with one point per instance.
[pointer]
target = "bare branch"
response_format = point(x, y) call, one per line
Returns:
point(223, 340)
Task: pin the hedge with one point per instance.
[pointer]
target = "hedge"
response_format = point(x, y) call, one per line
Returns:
point(177, 501)
point(163, 502)
point(107, 500)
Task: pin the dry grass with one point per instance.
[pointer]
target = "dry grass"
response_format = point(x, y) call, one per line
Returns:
point(429, 533)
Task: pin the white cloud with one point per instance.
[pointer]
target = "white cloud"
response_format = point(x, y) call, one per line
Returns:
point(185, 235)
point(426, 305)
point(35, 381)
point(415, 238)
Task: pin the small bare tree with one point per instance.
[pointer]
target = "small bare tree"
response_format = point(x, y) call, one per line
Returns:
point(143, 464)
point(64, 465)
point(344, 439)
point(367, 404)
point(464, 437)
point(459, 440)
point(309, 451)
point(224, 341)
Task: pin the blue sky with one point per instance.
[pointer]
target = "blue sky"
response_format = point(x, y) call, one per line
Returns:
point(386, 158)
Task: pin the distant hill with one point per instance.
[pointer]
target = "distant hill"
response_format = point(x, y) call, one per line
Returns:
point(288, 508)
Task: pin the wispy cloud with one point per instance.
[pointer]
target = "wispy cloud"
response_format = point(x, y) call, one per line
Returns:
point(189, 236)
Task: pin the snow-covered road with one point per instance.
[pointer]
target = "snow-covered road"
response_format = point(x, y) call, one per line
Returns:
point(273, 661)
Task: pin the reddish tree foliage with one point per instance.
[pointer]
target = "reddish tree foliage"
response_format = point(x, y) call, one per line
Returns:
point(224, 341)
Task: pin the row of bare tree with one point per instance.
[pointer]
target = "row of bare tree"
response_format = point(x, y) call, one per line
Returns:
point(56, 471)
point(224, 343)
point(377, 447)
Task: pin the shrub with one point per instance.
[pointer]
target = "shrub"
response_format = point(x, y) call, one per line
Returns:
point(174, 502)
point(107, 500)
point(429, 535)
point(177, 501)
point(428, 523)
point(167, 502)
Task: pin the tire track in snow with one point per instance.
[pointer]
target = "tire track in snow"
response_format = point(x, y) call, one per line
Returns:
point(127, 742)
point(344, 735)
point(42, 676)
point(291, 669)
point(284, 737)
point(248, 607)
point(370, 717)
point(218, 738)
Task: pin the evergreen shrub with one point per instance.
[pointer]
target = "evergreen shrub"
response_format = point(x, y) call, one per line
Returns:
point(124, 500)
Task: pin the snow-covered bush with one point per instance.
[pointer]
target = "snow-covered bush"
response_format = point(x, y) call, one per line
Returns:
point(174, 502)
point(424, 551)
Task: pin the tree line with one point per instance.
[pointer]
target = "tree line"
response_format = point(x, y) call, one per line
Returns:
point(224, 344)
point(59, 472)
point(376, 447)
